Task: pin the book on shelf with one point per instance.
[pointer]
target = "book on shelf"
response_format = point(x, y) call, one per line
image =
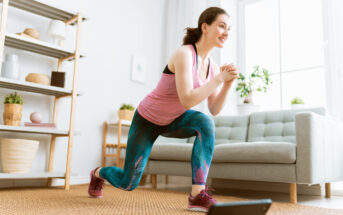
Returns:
point(34, 124)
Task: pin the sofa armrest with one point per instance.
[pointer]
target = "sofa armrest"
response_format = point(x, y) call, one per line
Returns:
point(319, 142)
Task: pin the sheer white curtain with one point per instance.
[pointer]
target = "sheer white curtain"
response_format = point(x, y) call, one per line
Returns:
point(180, 15)
point(333, 36)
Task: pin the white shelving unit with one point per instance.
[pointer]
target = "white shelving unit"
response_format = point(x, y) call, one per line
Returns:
point(34, 88)
point(31, 175)
point(51, 50)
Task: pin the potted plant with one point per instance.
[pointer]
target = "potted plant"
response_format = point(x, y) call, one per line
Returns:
point(13, 109)
point(297, 102)
point(257, 81)
point(126, 112)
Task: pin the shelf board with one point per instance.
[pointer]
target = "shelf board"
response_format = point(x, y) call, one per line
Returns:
point(33, 130)
point(42, 9)
point(32, 175)
point(116, 124)
point(36, 46)
point(33, 87)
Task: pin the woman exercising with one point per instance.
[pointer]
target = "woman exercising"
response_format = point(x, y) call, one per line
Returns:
point(190, 77)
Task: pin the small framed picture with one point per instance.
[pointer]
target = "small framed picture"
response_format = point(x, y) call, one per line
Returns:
point(138, 73)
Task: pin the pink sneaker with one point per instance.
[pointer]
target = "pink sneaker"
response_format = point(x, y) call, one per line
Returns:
point(201, 202)
point(95, 185)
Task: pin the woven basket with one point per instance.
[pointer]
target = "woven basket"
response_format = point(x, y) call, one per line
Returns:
point(17, 155)
point(125, 114)
point(38, 78)
point(12, 114)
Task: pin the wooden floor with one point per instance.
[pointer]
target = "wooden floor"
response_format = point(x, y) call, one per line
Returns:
point(335, 202)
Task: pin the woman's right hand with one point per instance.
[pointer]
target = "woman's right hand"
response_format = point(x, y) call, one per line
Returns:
point(228, 72)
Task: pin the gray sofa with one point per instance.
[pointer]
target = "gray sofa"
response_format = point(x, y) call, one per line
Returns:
point(289, 146)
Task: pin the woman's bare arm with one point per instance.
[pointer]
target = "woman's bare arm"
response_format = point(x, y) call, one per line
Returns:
point(188, 96)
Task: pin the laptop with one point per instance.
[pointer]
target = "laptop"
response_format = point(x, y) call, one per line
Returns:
point(255, 207)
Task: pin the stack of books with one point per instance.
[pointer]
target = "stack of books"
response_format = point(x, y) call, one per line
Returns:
point(45, 125)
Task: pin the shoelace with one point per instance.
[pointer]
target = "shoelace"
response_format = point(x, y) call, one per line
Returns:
point(98, 184)
point(205, 194)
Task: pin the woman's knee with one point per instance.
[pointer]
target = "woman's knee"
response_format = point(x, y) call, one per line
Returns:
point(129, 186)
point(204, 121)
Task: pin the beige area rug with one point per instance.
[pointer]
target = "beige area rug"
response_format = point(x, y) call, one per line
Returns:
point(115, 201)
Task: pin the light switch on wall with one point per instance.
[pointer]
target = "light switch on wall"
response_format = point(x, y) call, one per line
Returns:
point(138, 72)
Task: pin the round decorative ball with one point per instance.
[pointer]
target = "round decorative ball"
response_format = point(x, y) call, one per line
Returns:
point(36, 117)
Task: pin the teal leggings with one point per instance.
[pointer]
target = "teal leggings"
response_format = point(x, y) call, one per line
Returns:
point(142, 135)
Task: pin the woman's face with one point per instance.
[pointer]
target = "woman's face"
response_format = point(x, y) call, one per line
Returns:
point(218, 31)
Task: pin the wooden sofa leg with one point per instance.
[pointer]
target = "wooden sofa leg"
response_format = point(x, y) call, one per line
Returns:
point(167, 179)
point(327, 190)
point(154, 181)
point(143, 180)
point(293, 193)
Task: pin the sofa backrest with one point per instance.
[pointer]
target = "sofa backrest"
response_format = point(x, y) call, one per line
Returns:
point(275, 126)
point(229, 129)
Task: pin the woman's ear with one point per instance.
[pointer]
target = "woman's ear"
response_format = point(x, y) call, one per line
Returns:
point(204, 27)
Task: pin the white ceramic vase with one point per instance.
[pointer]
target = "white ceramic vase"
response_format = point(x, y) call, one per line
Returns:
point(245, 109)
point(10, 68)
point(298, 106)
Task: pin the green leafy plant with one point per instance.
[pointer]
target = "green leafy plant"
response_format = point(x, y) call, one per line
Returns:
point(13, 99)
point(297, 100)
point(257, 81)
point(127, 107)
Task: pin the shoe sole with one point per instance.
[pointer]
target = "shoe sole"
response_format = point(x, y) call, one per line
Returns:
point(94, 197)
point(198, 209)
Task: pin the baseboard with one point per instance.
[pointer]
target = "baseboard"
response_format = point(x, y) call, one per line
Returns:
point(40, 182)
point(74, 180)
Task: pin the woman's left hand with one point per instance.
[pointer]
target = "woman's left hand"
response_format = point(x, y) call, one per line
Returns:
point(232, 70)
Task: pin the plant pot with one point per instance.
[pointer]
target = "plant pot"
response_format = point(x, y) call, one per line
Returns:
point(248, 99)
point(297, 106)
point(125, 114)
point(17, 155)
point(12, 114)
point(245, 109)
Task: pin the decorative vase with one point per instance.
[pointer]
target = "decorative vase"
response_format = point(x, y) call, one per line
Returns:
point(248, 99)
point(297, 106)
point(12, 114)
point(126, 114)
point(36, 117)
point(57, 79)
point(17, 155)
point(10, 68)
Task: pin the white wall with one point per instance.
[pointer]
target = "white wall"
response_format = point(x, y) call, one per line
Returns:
point(114, 31)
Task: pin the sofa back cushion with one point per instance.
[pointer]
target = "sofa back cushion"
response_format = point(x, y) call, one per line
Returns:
point(229, 129)
point(275, 126)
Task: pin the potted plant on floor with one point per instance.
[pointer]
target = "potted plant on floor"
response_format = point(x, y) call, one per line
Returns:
point(297, 103)
point(257, 81)
point(13, 106)
point(126, 112)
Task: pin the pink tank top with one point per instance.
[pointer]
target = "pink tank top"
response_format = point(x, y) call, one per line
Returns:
point(162, 106)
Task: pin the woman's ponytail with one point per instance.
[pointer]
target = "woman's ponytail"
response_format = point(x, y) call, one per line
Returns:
point(192, 36)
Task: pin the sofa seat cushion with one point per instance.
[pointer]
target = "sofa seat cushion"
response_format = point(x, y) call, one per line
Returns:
point(255, 152)
point(173, 151)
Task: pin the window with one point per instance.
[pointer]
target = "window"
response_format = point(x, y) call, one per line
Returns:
point(285, 37)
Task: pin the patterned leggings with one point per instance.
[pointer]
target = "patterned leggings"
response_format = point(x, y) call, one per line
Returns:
point(142, 135)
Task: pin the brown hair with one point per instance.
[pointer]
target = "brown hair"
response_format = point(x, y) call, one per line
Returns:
point(208, 16)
